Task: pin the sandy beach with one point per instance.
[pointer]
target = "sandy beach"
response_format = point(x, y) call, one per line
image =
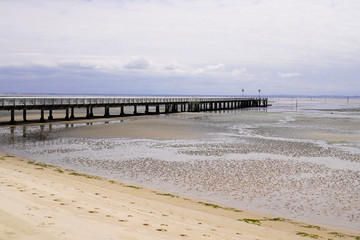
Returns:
point(40, 201)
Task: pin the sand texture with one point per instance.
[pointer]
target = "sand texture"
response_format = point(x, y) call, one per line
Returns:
point(40, 201)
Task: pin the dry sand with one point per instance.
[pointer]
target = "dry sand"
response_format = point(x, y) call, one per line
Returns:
point(39, 201)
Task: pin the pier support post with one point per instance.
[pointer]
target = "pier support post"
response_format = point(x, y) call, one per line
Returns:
point(72, 113)
point(122, 111)
point(135, 110)
point(157, 109)
point(189, 107)
point(50, 115)
point(42, 119)
point(146, 109)
point(107, 112)
point(24, 115)
point(264, 103)
point(88, 112)
point(24, 131)
point(12, 120)
point(67, 114)
point(194, 107)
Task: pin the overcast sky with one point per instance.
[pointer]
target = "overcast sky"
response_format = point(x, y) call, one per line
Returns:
point(302, 47)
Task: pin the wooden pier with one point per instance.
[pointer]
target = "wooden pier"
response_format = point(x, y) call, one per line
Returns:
point(166, 104)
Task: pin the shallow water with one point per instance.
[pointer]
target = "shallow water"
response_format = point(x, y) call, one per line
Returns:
point(299, 158)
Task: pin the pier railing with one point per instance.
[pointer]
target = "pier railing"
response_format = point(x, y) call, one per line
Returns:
point(6, 102)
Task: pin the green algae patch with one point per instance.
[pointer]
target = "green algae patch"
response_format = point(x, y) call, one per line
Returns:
point(336, 234)
point(210, 205)
point(134, 187)
point(219, 207)
point(258, 221)
point(274, 219)
point(313, 227)
point(304, 234)
point(84, 175)
point(166, 195)
point(44, 165)
point(59, 170)
point(251, 221)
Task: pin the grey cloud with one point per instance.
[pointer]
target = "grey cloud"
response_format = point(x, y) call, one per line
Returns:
point(289, 75)
point(138, 63)
point(70, 78)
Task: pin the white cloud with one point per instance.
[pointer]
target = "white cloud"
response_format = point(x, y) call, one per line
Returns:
point(289, 75)
point(243, 74)
point(211, 68)
point(240, 72)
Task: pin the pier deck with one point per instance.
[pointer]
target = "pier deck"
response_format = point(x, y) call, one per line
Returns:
point(167, 104)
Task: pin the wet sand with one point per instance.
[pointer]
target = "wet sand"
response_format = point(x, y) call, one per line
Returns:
point(40, 201)
point(159, 128)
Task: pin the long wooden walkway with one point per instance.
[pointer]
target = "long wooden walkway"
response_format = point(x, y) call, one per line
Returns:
point(166, 104)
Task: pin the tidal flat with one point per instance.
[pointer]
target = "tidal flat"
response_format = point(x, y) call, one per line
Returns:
point(297, 159)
